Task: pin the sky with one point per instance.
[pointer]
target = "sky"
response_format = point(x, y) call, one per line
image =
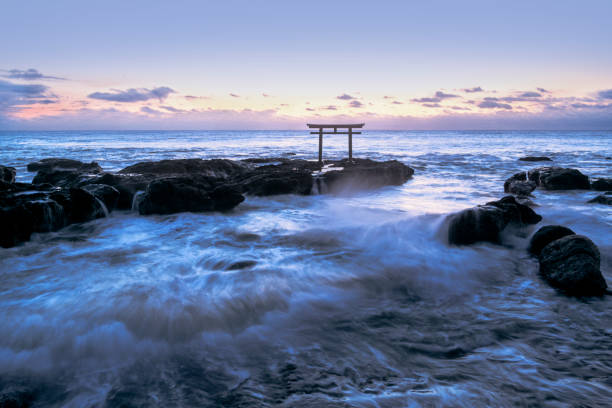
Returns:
point(280, 64)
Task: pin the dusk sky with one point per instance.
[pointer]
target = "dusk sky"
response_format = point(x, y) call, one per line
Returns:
point(280, 64)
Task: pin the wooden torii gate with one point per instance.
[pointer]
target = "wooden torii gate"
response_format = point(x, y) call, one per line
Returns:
point(349, 132)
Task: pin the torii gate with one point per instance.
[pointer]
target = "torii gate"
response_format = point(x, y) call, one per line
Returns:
point(350, 134)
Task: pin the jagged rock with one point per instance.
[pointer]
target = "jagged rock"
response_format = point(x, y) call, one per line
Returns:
point(602, 184)
point(218, 168)
point(572, 264)
point(105, 193)
point(535, 158)
point(272, 181)
point(546, 235)
point(605, 198)
point(79, 205)
point(23, 214)
point(126, 184)
point(519, 185)
point(63, 172)
point(7, 174)
point(485, 223)
point(361, 174)
point(558, 178)
point(194, 194)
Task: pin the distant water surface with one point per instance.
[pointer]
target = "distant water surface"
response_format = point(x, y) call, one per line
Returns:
point(350, 300)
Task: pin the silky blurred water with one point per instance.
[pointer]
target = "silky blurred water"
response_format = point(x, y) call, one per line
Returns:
point(328, 300)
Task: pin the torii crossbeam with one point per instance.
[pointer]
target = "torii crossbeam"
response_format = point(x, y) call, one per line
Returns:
point(349, 132)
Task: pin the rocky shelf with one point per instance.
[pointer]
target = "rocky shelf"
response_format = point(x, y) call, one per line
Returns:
point(66, 191)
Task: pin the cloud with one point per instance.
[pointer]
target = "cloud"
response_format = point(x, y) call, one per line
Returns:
point(310, 109)
point(426, 100)
point(171, 109)
point(397, 103)
point(330, 107)
point(542, 90)
point(388, 97)
point(606, 94)
point(591, 106)
point(146, 109)
point(488, 104)
point(13, 96)
point(473, 90)
point(345, 97)
point(431, 105)
point(192, 97)
point(233, 95)
point(355, 104)
point(530, 95)
point(438, 97)
point(28, 75)
point(443, 95)
point(133, 94)
point(265, 95)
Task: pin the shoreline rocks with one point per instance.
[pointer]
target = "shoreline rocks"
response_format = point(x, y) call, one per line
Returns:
point(485, 223)
point(535, 158)
point(605, 198)
point(66, 191)
point(568, 262)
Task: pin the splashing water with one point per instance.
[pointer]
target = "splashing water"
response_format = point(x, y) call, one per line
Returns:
point(323, 300)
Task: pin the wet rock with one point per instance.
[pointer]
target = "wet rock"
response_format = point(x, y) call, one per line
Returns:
point(558, 178)
point(23, 214)
point(605, 199)
point(360, 174)
point(273, 181)
point(79, 205)
point(572, 264)
point(535, 158)
point(485, 223)
point(219, 168)
point(105, 193)
point(546, 235)
point(63, 172)
point(519, 185)
point(602, 184)
point(193, 194)
point(7, 174)
point(126, 184)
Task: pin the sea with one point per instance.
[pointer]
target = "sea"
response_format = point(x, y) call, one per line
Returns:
point(346, 300)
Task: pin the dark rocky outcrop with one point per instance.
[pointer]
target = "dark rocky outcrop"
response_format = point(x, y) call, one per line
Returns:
point(535, 158)
point(546, 235)
point(572, 264)
point(105, 193)
point(126, 184)
point(218, 168)
point(559, 178)
point(602, 184)
point(195, 194)
point(7, 174)
point(519, 185)
point(360, 174)
point(79, 205)
point(605, 199)
point(485, 223)
point(63, 172)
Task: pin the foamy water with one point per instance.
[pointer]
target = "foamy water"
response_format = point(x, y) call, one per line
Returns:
point(324, 300)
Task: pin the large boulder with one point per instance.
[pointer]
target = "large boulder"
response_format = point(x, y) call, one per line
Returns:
point(359, 174)
point(605, 199)
point(546, 235)
point(485, 223)
point(559, 178)
point(535, 158)
point(519, 185)
point(218, 168)
point(63, 172)
point(7, 174)
point(273, 181)
point(602, 184)
point(572, 264)
point(193, 194)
